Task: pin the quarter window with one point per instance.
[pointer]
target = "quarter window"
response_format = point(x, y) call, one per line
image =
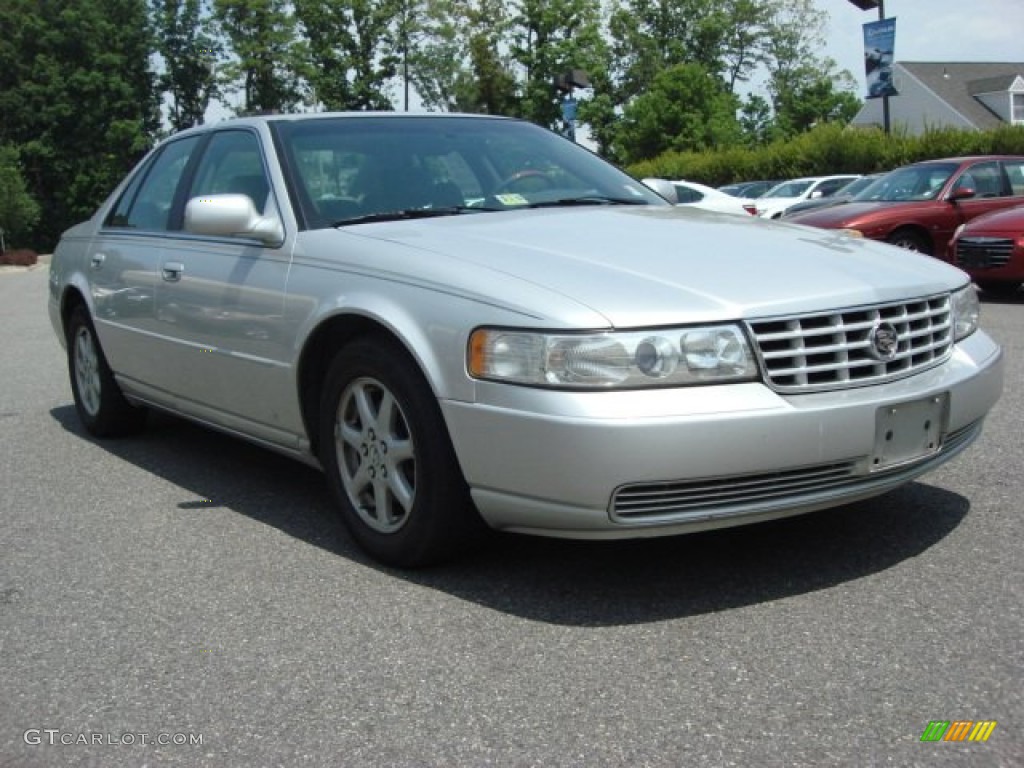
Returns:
point(146, 202)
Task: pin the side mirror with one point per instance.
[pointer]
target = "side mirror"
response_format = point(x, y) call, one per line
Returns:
point(231, 216)
point(961, 194)
point(665, 188)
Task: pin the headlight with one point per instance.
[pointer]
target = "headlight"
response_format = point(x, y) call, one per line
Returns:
point(851, 232)
point(630, 359)
point(966, 310)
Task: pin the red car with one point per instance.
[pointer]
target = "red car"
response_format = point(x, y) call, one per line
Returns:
point(991, 250)
point(919, 206)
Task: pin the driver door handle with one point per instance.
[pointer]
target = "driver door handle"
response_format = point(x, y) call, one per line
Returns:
point(172, 270)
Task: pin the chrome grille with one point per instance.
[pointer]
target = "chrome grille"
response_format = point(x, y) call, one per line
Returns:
point(682, 500)
point(654, 499)
point(983, 252)
point(834, 350)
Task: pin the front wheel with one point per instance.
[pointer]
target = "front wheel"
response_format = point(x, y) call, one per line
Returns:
point(910, 240)
point(389, 460)
point(101, 406)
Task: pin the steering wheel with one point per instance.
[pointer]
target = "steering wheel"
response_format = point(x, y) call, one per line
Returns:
point(528, 173)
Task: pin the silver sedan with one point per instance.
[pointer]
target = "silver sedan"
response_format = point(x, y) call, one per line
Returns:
point(470, 322)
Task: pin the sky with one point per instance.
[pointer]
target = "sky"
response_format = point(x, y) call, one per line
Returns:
point(929, 30)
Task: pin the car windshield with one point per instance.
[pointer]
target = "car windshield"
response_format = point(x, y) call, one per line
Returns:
point(788, 189)
point(856, 186)
point(915, 182)
point(362, 169)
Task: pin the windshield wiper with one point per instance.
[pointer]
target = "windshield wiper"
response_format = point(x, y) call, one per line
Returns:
point(588, 200)
point(412, 213)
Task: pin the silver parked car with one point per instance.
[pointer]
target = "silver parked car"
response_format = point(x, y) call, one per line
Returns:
point(466, 320)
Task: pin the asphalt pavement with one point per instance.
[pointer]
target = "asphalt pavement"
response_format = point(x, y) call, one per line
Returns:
point(185, 599)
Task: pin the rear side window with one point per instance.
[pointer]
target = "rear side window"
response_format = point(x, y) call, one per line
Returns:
point(1015, 174)
point(146, 202)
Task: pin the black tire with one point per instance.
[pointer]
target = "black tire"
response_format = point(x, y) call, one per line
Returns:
point(101, 406)
point(389, 460)
point(910, 240)
point(999, 287)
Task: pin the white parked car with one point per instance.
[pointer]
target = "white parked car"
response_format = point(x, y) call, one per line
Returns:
point(690, 193)
point(773, 203)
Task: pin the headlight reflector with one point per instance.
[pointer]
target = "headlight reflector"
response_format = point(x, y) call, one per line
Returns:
point(966, 311)
point(619, 359)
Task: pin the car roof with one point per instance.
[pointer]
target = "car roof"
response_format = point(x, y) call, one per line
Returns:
point(968, 159)
point(257, 120)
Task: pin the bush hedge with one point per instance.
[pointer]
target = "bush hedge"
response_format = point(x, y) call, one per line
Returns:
point(828, 149)
point(19, 257)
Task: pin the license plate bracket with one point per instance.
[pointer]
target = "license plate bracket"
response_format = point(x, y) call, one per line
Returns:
point(910, 431)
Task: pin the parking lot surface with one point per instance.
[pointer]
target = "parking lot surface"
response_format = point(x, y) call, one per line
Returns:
point(185, 599)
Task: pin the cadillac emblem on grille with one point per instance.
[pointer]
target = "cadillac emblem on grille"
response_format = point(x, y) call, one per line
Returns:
point(885, 341)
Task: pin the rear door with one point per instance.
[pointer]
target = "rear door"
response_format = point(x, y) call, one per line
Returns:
point(125, 259)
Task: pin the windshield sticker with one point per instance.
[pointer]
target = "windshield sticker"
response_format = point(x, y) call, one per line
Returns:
point(512, 199)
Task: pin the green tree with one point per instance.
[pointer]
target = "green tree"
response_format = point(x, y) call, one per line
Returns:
point(190, 54)
point(686, 108)
point(352, 49)
point(269, 59)
point(458, 63)
point(653, 35)
point(549, 38)
point(77, 98)
point(803, 85)
point(756, 121)
point(18, 211)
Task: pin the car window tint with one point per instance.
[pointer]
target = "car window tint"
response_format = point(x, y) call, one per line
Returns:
point(687, 195)
point(1015, 174)
point(789, 189)
point(232, 164)
point(349, 168)
point(829, 187)
point(146, 202)
point(984, 178)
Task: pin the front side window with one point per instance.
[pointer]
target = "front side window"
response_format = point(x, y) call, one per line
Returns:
point(984, 178)
point(232, 164)
point(147, 200)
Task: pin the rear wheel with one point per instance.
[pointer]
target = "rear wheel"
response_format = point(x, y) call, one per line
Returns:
point(388, 459)
point(101, 406)
point(911, 240)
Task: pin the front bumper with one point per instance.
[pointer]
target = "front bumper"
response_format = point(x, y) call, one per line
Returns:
point(561, 463)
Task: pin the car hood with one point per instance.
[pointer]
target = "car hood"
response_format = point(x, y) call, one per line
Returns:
point(640, 266)
point(1007, 220)
point(854, 213)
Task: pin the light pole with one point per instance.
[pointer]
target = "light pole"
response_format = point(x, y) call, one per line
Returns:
point(867, 5)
